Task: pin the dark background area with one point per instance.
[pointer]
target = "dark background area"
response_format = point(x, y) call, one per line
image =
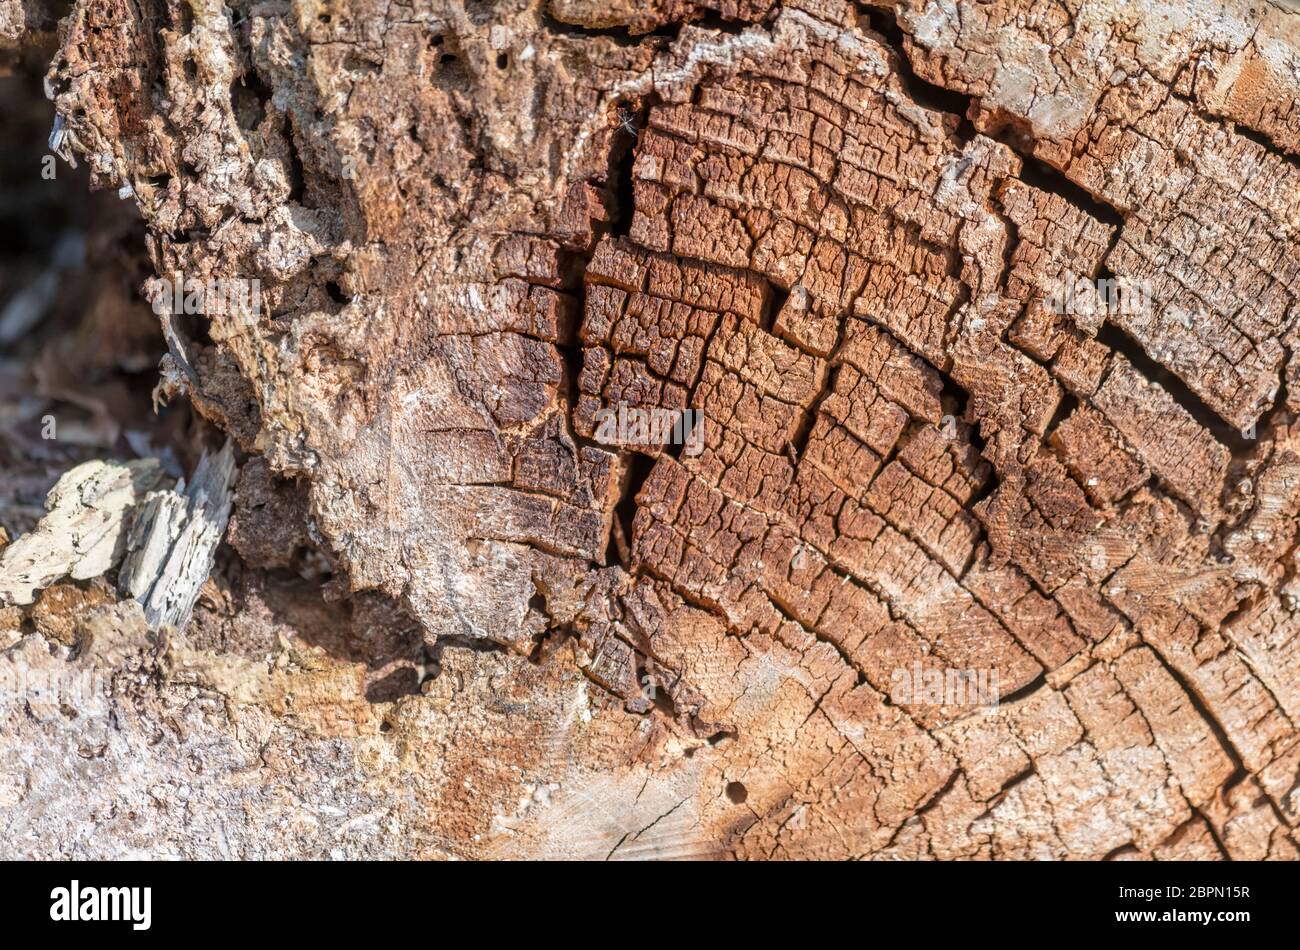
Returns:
point(79, 345)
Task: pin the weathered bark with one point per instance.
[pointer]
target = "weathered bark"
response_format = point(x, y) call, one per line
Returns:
point(836, 231)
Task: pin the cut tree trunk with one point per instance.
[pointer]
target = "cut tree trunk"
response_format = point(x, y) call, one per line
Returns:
point(869, 247)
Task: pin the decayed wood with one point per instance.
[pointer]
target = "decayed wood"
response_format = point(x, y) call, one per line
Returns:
point(106, 516)
point(173, 541)
point(838, 232)
point(85, 531)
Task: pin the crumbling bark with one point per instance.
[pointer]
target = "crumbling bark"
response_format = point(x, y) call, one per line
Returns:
point(836, 231)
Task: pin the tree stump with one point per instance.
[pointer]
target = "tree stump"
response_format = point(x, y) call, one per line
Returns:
point(729, 428)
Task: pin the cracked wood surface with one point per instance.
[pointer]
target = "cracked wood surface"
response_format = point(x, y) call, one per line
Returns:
point(835, 230)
